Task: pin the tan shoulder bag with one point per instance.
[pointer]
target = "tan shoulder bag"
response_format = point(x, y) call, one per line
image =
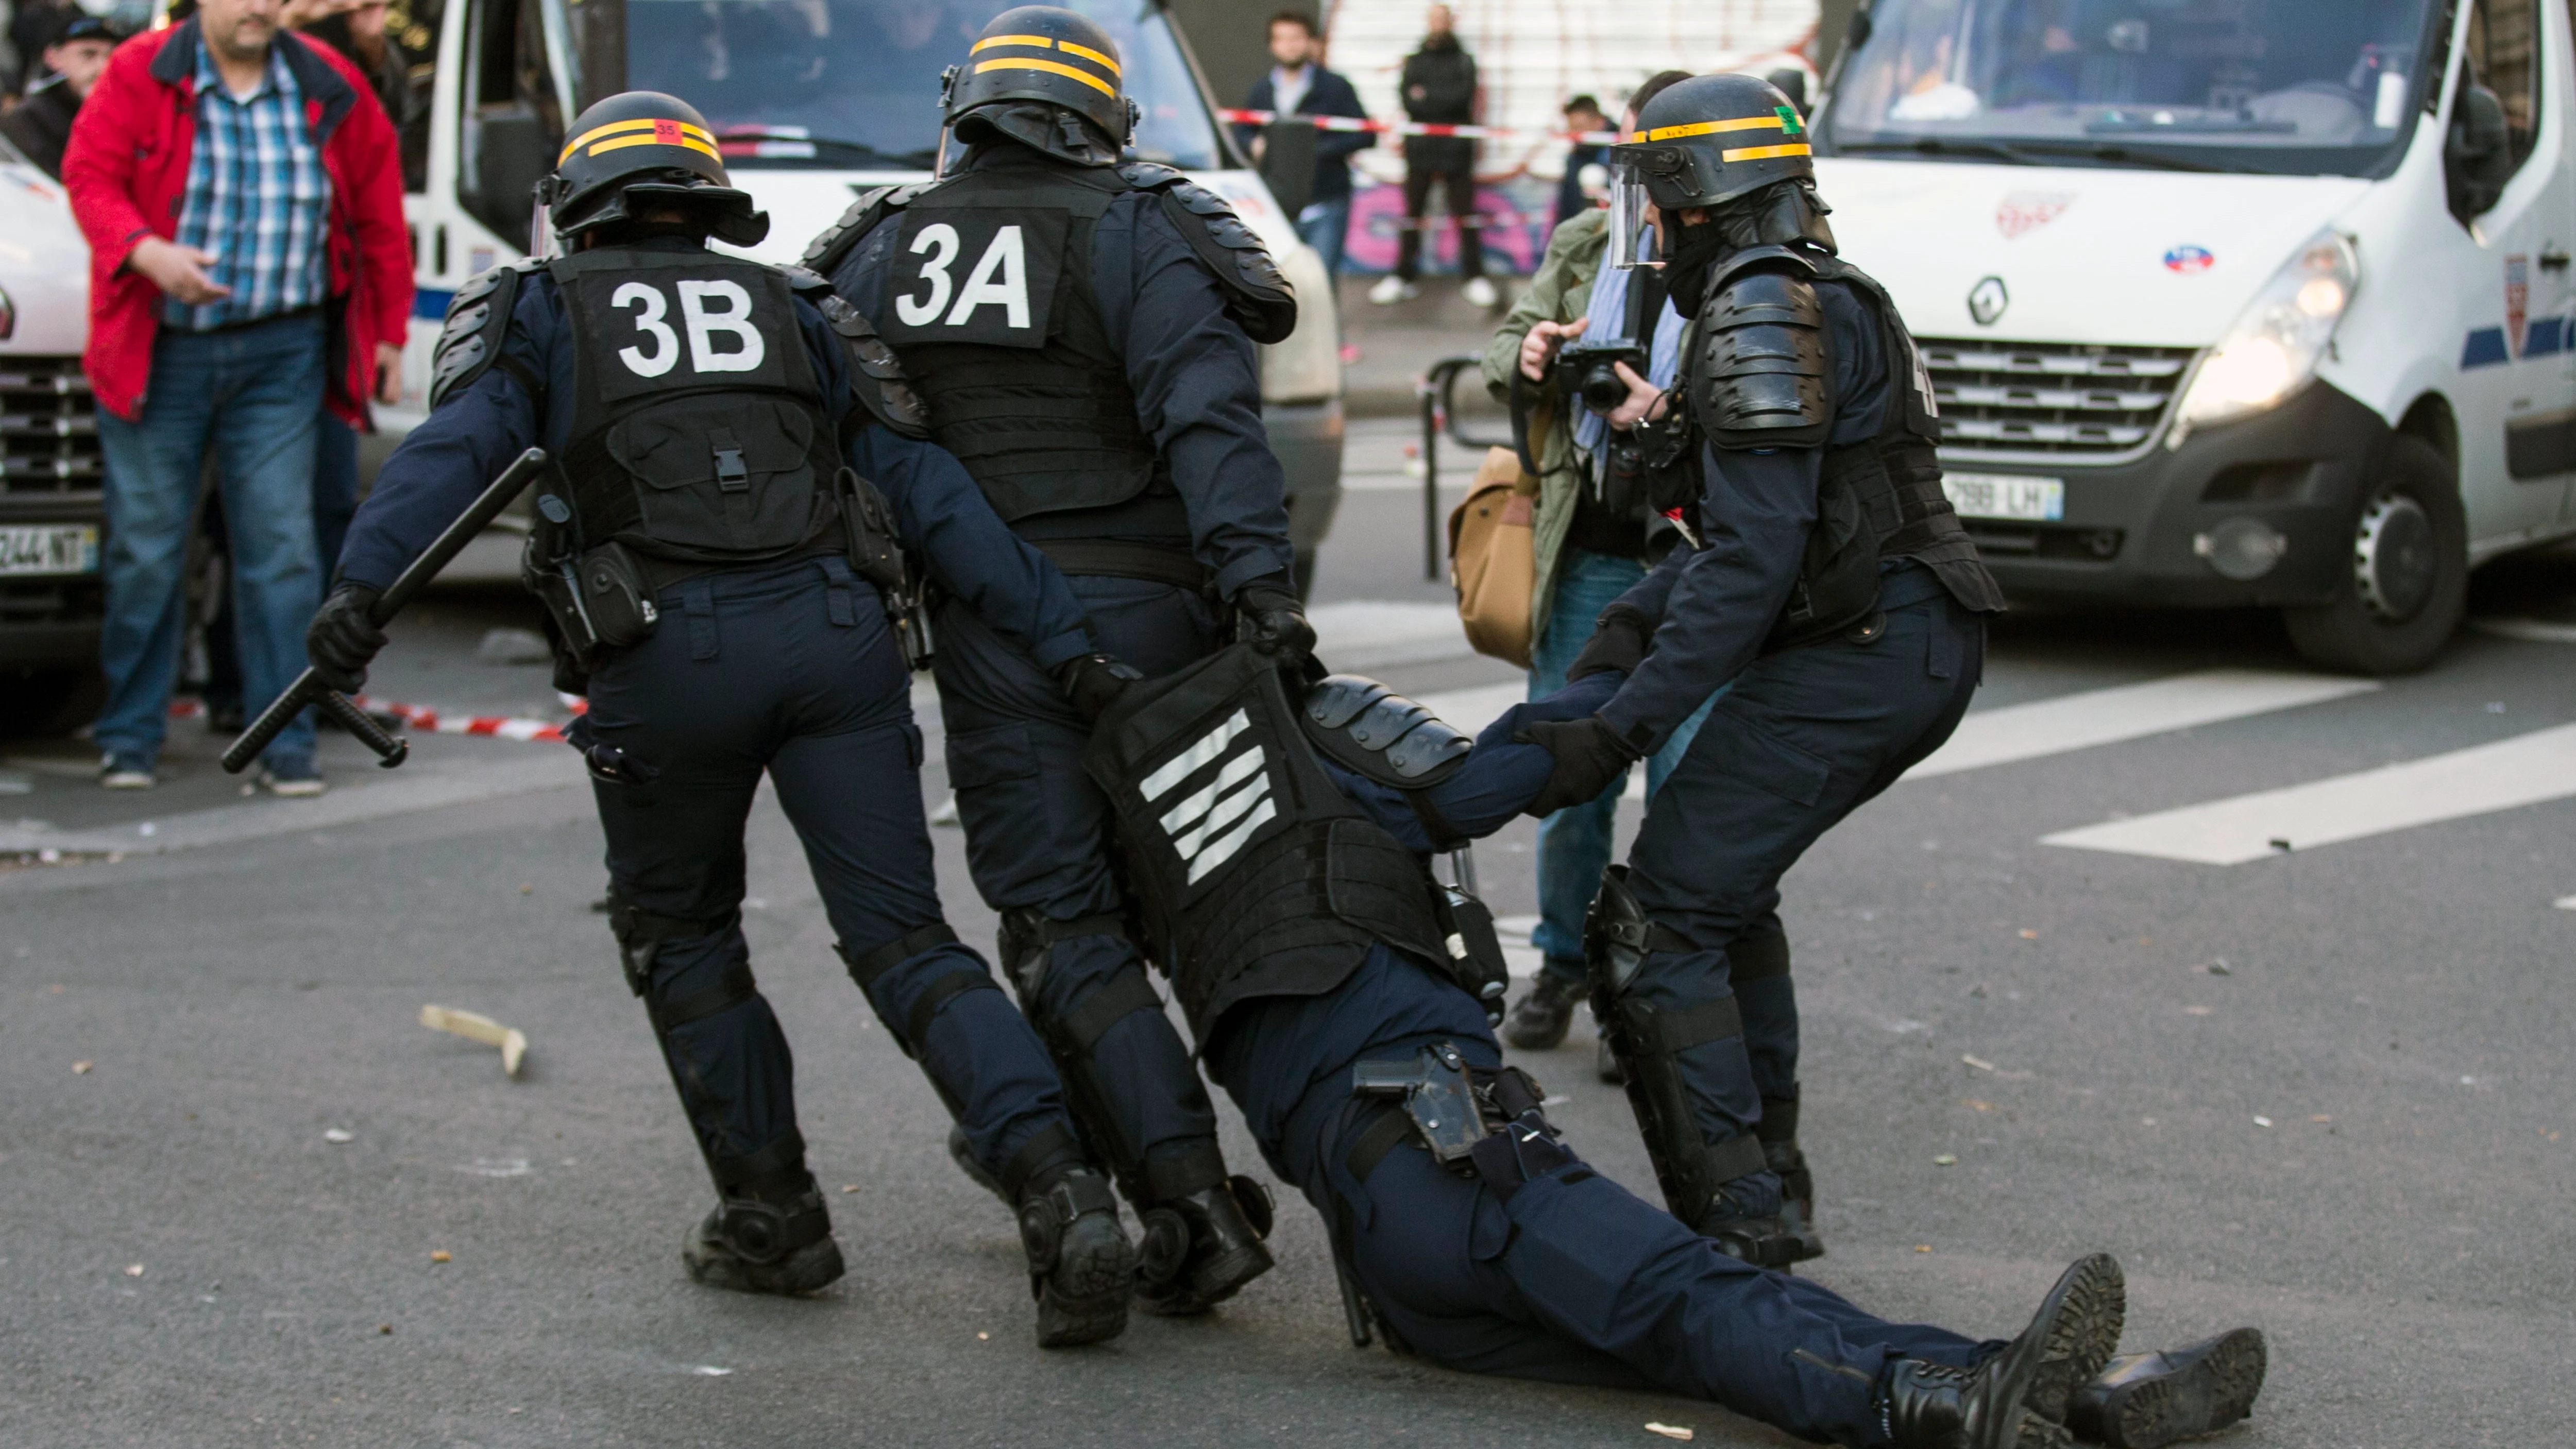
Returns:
point(1493, 559)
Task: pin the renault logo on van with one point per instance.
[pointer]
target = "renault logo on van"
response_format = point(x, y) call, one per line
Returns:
point(1987, 301)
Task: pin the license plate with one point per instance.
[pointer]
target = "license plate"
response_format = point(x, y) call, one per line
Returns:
point(2006, 495)
point(48, 548)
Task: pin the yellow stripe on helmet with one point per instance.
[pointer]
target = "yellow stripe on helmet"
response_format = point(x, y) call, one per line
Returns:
point(1087, 53)
point(1052, 67)
point(1708, 128)
point(1034, 42)
point(620, 143)
point(1765, 153)
point(618, 127)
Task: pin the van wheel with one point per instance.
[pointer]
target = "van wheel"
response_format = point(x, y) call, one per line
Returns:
point(2407, 583)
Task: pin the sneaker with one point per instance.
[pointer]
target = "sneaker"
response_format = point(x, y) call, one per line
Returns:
point(1479, 292)
point(125, 772)
point(296, 781)
point(1539, 1022)
point(1391, 289)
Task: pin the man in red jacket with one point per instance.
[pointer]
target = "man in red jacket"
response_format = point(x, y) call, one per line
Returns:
point(242, 195)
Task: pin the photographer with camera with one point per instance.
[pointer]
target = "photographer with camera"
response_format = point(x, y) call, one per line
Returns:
point(1592, 539)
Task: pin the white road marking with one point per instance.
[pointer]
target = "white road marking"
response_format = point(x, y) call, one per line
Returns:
point(1363, 634)
point(1473, 709)
point(2524, 770)
point(2126, 712)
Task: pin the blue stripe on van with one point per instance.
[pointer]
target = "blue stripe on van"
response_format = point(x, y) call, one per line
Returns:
point(430, 304)
point(2546, 335)
point(2485, 348)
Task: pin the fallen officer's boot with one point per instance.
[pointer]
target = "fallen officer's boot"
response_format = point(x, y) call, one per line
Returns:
point(775, 1243)
point(1539, 1022)
point(2017, 1399)
point(1797, 1200)
point(2146, 1400)
point(1080, 1262)
point(1202, 1247)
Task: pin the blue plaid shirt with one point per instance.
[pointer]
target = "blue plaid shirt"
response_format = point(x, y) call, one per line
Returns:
point(257, 198)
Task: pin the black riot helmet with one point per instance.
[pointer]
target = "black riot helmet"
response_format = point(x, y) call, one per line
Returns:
point(1048, 78)
point(1710, 139)
point(637, 150)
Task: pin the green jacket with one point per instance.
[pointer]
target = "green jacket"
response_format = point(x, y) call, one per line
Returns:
point(1560, 292)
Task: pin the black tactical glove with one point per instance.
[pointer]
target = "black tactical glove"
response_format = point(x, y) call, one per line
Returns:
point(1094, 682)
point(1617, 645)
point(1272, 619)
point(1589, 755)
point(342, 639)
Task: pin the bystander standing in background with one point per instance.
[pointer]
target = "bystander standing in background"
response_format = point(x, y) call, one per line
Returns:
point(1589, 552)
point(241, 194)
point(41, 125)
point(1439, 88)
point(1298, 85)
point(1582, 118)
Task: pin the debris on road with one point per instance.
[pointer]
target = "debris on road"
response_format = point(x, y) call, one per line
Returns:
point(338, 1134)
point(1980, 1063)
point(441, 1255)
point(1945, 1159)
point(2217, 966)
point(2262, 1121)
point(2030, 935)
point(1669, 1431)
point(2565, 903)
point(710, 1371)
point(133, 1270)
point(474, 1027)
point(80, 1069)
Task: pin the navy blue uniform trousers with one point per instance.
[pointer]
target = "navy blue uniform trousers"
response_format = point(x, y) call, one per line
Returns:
point(1804, 738)
point(791, 669)
point(1574, 1279)
point(1038, 835)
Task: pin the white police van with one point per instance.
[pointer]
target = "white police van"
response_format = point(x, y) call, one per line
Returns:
point(815, 102)
point(2231, 302)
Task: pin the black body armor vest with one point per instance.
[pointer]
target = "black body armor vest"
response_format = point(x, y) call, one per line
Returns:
point(699, 435)
point(988, 298)
point(1257, 875)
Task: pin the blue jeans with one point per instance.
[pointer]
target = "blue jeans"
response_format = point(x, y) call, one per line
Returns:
point(1574, 843)
point(1326, 226)
point(253, 395)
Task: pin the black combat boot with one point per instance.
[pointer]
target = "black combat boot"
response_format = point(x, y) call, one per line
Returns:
point(1539, 1023)
point(2146, 1400)
point(777, 1239)
point(1080, 1262)
point(1202, 1247)
point(2018, 1398)
point(1797, 1199)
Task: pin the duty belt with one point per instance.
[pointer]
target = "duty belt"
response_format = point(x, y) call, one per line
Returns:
point(1154, 563)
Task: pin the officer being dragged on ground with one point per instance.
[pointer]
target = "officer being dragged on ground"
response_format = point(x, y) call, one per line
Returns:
point(1824, 576)
point(1082, 334)
point(721, 578)
point(1280, 836)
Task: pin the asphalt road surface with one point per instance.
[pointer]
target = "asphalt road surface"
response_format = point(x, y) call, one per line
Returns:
point(245, 1198)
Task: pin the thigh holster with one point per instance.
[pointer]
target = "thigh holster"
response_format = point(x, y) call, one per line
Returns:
point(1648, 1040)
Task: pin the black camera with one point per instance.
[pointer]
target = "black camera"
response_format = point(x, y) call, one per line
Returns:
point(1588, 371)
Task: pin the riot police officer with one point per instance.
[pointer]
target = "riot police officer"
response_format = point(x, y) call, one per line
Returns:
point(1279, 834)
point(718, 568)
point(1825, 576)
point(1081, 330)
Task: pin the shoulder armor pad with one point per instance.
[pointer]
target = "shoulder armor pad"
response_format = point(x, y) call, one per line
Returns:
point(477, 318)
point(880, 385)
point(1380, 735)
point(827, 249)
point(1149, 175)
point(806, 284)
point(1760, 374)
point(1257, 295)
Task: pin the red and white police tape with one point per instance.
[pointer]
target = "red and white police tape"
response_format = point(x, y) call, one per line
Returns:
point(1420, 128)
point(432, 721)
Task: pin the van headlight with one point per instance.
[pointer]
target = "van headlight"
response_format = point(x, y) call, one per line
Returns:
point(2274, 348)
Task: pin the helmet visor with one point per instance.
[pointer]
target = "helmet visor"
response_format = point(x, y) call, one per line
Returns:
point(1631, 234)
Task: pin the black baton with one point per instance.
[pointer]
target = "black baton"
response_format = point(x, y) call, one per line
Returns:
point(308, 688)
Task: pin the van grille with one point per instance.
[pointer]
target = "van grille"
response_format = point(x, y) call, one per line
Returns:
point(2051, 399)
point(48, 427)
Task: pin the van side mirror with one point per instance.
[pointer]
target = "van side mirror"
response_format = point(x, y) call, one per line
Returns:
point(508, 150)
point(2477, 156)
point(1791, 82)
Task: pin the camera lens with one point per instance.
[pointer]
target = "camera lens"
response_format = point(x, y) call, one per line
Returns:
point(1601, 388)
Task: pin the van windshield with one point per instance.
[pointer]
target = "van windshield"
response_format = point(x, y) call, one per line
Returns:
point(2317, 87)
point(854, 84)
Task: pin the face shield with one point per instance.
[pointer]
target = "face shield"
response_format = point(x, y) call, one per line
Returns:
point(1631, 235)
